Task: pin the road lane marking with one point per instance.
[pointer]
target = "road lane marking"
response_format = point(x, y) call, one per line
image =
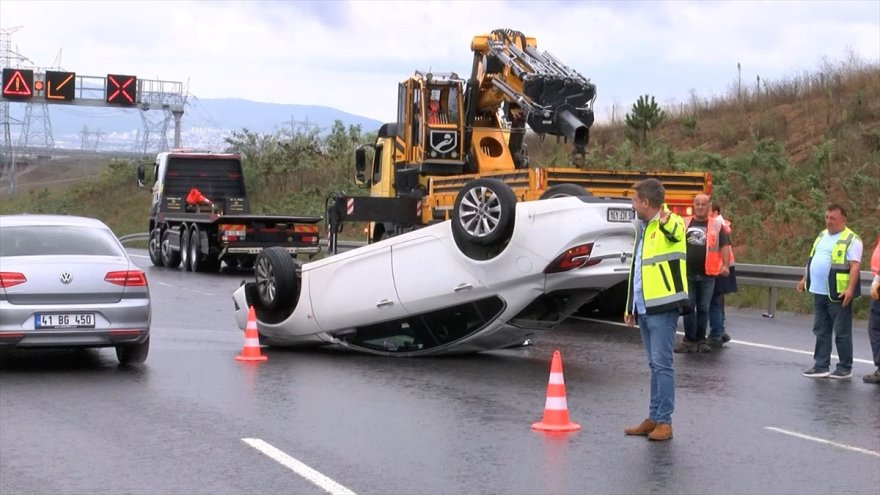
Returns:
point(298, 467)
point(734, 341)
point(186, 288)
point(788, 349)
point(822, 440)
point(138, 255)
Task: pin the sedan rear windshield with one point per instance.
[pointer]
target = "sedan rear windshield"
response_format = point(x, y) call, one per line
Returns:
point(41, 240)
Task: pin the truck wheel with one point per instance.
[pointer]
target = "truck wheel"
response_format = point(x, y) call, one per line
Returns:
point(276, 277)
point(155, 247)
point(484, 210)
point(195, 251)
point(170, 257)
point(564, 190)
point(184, 248)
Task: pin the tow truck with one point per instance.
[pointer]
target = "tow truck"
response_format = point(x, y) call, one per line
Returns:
point(450, 130)
point(200, 215)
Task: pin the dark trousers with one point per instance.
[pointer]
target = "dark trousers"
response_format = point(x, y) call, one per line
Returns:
point(700, 289)
point(874, 331)
point(829, 318)
point(716, 314)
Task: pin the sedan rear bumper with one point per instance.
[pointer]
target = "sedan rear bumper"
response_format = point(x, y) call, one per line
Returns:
point(126, 322)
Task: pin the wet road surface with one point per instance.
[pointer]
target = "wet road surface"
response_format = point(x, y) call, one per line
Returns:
point(746, 421)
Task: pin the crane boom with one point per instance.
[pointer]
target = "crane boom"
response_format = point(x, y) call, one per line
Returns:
point(537, 88)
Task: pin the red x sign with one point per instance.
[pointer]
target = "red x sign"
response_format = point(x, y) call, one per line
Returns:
point(121, 90)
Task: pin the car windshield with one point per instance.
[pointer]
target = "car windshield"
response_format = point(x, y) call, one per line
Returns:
point(40, 240)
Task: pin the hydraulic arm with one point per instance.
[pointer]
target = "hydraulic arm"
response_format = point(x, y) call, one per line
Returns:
point(532, 87)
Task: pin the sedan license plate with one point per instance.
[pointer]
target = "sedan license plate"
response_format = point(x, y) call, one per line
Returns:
point(621, 214)
point(64, 320)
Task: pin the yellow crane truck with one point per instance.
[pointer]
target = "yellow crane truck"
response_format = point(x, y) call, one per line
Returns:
point(450, 130)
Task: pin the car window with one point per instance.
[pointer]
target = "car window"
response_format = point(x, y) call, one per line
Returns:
point(427, 330)
point(43, 240)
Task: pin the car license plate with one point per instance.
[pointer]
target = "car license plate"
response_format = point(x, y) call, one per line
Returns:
point(64, 320)
point(621, 214)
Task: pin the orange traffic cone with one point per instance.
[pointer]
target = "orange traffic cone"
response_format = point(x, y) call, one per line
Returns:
point(556, 408)
point(251, 349)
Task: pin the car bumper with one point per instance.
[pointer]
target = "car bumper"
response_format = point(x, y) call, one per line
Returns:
point(126, 322)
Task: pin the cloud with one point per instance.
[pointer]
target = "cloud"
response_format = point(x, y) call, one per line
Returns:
point(351, 55)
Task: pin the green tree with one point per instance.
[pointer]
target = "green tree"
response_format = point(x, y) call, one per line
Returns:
point(646, 115)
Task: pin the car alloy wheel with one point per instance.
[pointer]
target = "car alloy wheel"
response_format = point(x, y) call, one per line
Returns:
point(484, 210)
point(277, 282)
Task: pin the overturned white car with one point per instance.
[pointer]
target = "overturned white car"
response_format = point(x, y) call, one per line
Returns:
point(490, 277)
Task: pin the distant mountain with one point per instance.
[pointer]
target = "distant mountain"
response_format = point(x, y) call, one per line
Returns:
point(204, 125)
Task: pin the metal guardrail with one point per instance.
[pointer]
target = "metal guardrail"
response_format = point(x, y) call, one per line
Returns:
point(143, 236)
point(774, 277)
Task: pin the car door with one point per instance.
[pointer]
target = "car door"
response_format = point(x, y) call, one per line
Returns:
point(431, 273)
point(356, 290)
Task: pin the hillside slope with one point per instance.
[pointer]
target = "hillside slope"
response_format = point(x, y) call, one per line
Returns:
point(778, 154)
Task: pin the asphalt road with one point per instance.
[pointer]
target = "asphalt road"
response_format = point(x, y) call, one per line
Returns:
point(193, 420)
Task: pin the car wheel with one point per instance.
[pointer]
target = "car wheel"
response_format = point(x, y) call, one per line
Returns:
point(133, 353)
point(184, 249)
point(484, 210)
point(564, 190)
point(170, 257)
point(277, 282)
point(155, 247)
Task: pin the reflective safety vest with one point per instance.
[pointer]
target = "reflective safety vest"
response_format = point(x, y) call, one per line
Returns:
point(713, 250)
point(664, 261)
point(838, 276)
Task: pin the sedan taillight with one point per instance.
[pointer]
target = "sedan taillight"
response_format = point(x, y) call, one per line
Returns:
point(571, 259)
point(128, 278)
point(8, 279)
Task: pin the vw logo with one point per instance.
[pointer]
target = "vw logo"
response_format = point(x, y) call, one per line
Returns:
point(66, 278)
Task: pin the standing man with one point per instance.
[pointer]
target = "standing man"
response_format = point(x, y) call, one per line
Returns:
point(657, 295)
point(708, 256)
point(832, 277)
point(874, 316)
point(723, 285)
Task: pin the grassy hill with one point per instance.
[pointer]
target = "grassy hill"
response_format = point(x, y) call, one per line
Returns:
point(779, 152)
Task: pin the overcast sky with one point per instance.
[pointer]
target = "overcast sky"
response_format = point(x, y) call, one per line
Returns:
point(350, 55)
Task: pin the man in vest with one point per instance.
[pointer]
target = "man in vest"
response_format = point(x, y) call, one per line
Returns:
point(708, 256)
point(832, 277)
point(723, 285)
point(657, 295)
point(874, 316)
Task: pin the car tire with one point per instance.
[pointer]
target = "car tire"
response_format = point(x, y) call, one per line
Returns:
point(170, 257)
point(277, 282)
point(564, 190)
point(133, 353)
point(154, 248)
point(484, 212)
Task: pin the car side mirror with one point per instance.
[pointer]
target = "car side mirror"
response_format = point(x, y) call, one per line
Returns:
point(141, 176)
